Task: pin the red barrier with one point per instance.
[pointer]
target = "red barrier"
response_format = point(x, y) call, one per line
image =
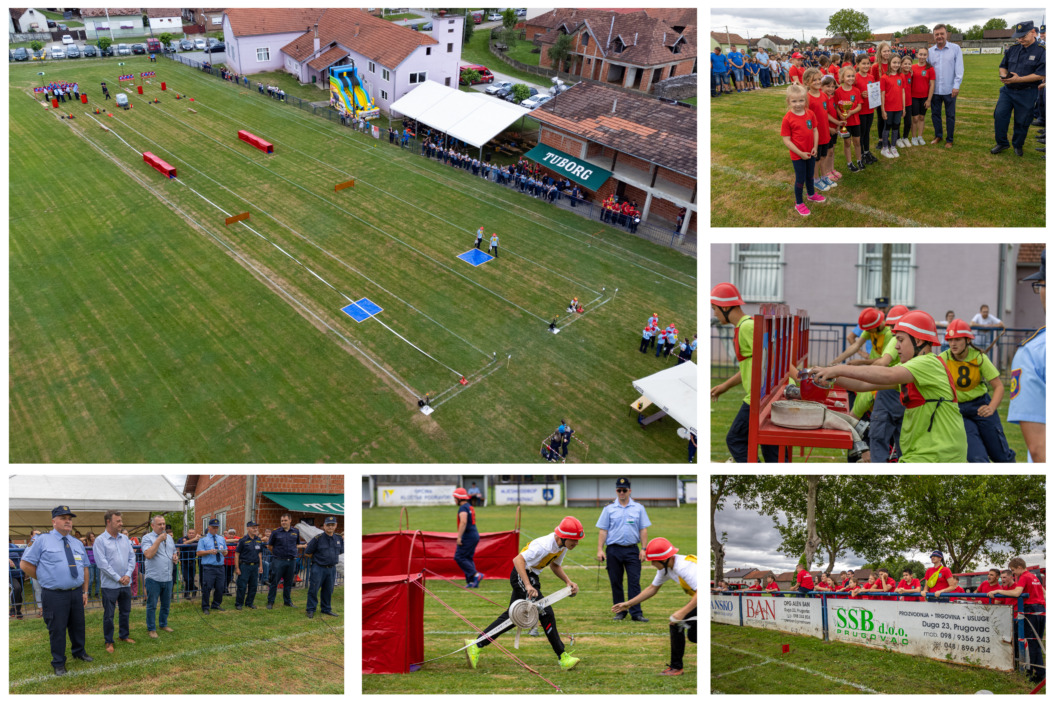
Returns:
point(256, 141)
point(387, 553)
point(163, 85)
point(160, 165)
point(84, 99)
point(139, 89)
point(54, 102)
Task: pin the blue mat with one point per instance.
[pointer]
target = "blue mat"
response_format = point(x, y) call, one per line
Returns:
point(362, 310)
point(475, 257)
point(369, 306)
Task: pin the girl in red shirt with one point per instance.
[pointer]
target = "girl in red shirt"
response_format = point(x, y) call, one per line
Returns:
point(861, 81)
point(829, 86)
point(938, 578)
point(879, 68)
point(818, 107)
point(848, 98)
point(893, 106)
point(799, 134)
point(770, 582)
point(833, 68)
point(906, 74)
point(796, 70)
point(848, 59)
point(922, 89)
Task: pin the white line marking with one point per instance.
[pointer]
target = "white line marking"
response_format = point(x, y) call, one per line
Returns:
point(797, 666)
point(734, 671)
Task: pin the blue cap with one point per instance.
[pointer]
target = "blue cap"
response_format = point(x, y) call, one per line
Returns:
point(1037, 276)
point(62, 510)
point(938, 554)
point(330, 521)
point(215, 523)
point(1022, 29)
point(251, 523)
point(623, 483)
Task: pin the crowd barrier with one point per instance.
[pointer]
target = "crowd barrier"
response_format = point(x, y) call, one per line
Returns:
point(949, 629)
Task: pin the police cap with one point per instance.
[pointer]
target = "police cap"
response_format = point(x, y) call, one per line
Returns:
point(623, 483)
point(215, 522)
point(251, 523)
point(1037, 276)
point(62, 510)
point(1022, 28)
point(330, 521)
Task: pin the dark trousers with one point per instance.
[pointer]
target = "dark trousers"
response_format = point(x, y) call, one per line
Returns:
point(624, 561)
point(518, 592)
point(738, 435)
point(1021, 103)
point(1035, 622)
point(985, 435)
point(865, 131)
point(16, 596)
point(322, 579)
point(281, 569)
point(64, 612)
point(676, 640)
point(949, 102)
point(885, 430)
point(803, 176)
point(212, 582)
point(247, 575)
point(644, 343)
point(122, 598)
point(765, 78)
point(465, 556)
point(229, 572)
point(187, 571)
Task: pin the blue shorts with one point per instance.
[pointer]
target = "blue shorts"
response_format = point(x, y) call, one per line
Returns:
point(737, 74)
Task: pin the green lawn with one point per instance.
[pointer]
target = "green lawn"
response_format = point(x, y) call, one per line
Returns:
point(272, 648)
point(752, 179)
point(693, 101)
point(402, 16)
point(816, 667)
point(477, 51)
point(142, 329)
point(522, 50)
point(58, 17)
point(636, 651)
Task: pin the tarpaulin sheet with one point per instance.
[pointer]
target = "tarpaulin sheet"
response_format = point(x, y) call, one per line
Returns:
point(386, 553)
point(392, 624)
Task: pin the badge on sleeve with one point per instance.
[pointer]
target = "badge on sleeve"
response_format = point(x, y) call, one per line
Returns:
point(1015, 387)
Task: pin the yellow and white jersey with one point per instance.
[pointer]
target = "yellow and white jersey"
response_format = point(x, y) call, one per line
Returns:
point(685, 571)
point(541, 552)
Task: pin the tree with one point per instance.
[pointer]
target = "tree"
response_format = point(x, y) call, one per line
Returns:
point(918, 29)
point(995, 23)
point(970, 518)
point(165, 38)
point(951, 29)
point(975, 32)
point(469, 76)
point(103, 43)
point(850, 24)
point(722, 487)
point(36, 45)
point(510, 19)
point(559, 52)
point(813, 41)
point(521, 91)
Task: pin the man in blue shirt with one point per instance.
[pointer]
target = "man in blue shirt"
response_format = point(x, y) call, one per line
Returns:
point(160, 557)
point(116, 559)
point(735, 66)
point(1022, 71)
point(248, 566)
point(14, 554)
point(718, 69)
point(947, 60)
point(1027, 382)
point(323, 551)
point(762, 59)
point(284, 546)
point(211, 550)
point(189, 542)
point(622, 525)
point(58, 562)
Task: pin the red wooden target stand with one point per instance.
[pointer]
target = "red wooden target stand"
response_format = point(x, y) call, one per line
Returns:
point(781, 340)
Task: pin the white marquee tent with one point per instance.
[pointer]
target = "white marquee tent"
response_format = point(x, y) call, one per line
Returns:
point(675, 391)
point(474, 118)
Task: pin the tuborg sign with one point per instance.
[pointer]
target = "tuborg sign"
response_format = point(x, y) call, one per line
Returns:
point(584, 173)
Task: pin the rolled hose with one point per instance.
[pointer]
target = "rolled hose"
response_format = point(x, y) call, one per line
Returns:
point(829, 419)
point(523, 613)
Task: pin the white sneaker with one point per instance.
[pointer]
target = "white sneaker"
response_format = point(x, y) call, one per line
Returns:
point(899, 142)
point(922, 141)
point(903, 142)
point(885, 152)
point(894, 153)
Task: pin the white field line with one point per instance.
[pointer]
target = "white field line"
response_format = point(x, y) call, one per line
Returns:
point(768, 660)
point(841, 203)
point(734, 671)
point(165, 658)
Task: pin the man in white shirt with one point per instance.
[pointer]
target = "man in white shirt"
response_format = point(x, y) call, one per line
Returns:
point(982, 339)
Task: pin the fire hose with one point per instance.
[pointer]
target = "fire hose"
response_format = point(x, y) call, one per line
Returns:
point(797, 413)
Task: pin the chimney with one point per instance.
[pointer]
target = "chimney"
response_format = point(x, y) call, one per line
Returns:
point(316, 38)
point(634, 38)
point(615, 108)
point(610, 31)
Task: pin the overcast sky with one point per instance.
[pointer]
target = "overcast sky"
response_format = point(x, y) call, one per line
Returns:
point(789, 22)
point(752, 543)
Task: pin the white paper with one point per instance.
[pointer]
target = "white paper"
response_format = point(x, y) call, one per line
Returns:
point(874, 95)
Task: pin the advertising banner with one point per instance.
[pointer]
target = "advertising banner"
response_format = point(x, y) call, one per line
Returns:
point(401, 495)
point(992, 50)
point(971, 50)
point(967, 633)
point(797, 615)
point(724, 609)
point(527, 494)
point(691, 492)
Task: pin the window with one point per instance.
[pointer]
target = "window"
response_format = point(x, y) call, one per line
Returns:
point(205, 525)
point(450, 48)
point(262, 54)
point(371, 67)
point(757, 271)
point(218, 20)
point(385, 74)
point(448, 81)
point(428, 51)
point(450, 30)
point(419, 77)
point(902, 274)
point(617, 45)
point(584, 39)
point(384, 95)
point(223, 517)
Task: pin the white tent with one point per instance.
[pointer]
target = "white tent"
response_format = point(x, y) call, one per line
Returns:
point(474, 118)
point(32, 497)
point(675, 391)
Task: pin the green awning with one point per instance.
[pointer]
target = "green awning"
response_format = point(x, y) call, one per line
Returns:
point(584, 173)
point(321, 503)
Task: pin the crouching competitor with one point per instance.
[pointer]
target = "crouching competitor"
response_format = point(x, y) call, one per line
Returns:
point(685, 571)
point(548, 551)
point(466, 538)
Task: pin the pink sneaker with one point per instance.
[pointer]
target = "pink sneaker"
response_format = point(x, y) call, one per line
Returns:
point(835, 174)
point(816, 198)
point(802, 209)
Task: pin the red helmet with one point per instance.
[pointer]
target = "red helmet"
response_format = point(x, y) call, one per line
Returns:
point(958, 328)
point(570, 528)
point(660, 549)
point(896, 313)
point(920, 325)
point(725, 294)
point(460, 494)
point(870, 318)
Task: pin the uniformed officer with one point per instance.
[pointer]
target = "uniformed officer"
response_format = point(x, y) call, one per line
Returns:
point(1027, 382)
point(284, 546)
point(1022, 71)
point(211, 550)
point(323, 551)
point(622, 525)
point(59, 563)
point(248, 566)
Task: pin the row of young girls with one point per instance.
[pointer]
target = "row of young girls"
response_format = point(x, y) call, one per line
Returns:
point(822, 106)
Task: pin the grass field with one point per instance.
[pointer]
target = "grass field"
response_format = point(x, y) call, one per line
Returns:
point(144, 329)
point(746, 660)
point(248, 652)
point(476, 51)
point(723, 411)
point(753, 182)
point(638, 652)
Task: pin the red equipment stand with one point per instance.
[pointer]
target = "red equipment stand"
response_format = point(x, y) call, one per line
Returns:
point(160, 165)
point(256, 141)
point(781, 340)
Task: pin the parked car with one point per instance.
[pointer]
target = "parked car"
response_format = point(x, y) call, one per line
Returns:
point(556, 90)
point(496, 17)
point(484, 74)
point(21, 54)
point(427, 27)
point(504, 93)
point(521, 12)
point(173, 48)
point(536, 101)
point(495, 88)
point(109, 51)
point(51, 24)
point(57, 52)
point(73, 52)
point(139, 49)
point(67, 39)
point(89, 50)
point(154, 45)
point(186, 45)
point(62, 28)
point(219, 46)
point(39, 55)
point(200, 44)
point(123, 50)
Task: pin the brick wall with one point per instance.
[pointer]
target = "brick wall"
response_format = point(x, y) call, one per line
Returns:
point(635, 163)
point(225, 493)
point(228, 494)
point(635, 195)
point(683, 68)
point(561, 141)
point(676, 178)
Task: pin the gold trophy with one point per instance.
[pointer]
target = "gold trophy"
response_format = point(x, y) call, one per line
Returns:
point(843, 113)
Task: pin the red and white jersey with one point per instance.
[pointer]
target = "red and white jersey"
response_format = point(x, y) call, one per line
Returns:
point(685, 572)
point(541, 552)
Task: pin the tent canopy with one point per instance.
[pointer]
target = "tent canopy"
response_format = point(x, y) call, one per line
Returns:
point(326, 503)
point(474, 118)
point(674, 390)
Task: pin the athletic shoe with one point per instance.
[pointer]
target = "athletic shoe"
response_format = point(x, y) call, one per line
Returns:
point(670, 672)
point(853, 168)
point(820, 185)
point(802, 209)
point(472, 653)
point(894, 153)
point(478, 578)
point(835, 174)
point(816, 198)
point(567, 661)
point(885, 152)
point(879, 145)
point(829, 183)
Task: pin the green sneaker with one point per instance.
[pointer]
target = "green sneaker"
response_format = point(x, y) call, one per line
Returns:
point(567, 661)
point(472, 653)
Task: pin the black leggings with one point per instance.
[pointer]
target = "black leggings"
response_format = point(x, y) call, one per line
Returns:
point(908, 121)
point(803, 175)
point(676, 640)
point(892, 129)
point(881, 126)
point(865, 132)
point(518, 592)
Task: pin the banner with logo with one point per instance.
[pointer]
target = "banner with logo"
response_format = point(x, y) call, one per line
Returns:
point(527, 494)
point(992, 50)
point(789, 614)
point(724, 609)
point(967, 633)
point(971, 50)
point(401, 495)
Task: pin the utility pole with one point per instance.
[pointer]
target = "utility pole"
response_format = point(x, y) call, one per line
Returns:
point(887, 263)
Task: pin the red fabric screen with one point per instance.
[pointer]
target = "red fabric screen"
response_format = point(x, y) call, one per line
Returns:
point(392, 624)
point(386, 553)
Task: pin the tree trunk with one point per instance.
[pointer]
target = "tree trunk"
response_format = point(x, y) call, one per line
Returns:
point(715, 543)
point(812, 539)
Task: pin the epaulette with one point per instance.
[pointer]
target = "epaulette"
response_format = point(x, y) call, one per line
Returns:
point(1032, 336)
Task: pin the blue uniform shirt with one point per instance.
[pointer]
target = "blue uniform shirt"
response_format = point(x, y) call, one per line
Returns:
point(718, 63)
point(472, 527)
point(115, 557)
point(212, 541)
point(284, 543)
point(736, 59)
point(623, 524)
point(48, 554)
point(15, 555)
point(1027, 381)
point(1024, 61)
point(325, 550)
point(249, 549)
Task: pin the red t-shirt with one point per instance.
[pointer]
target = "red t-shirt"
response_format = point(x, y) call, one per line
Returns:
point(805, 579)
point(986, 587)
point(772, 587)
point(906, 585)
point(1031, 588)
point(874, 70)
point(818, 104)
point(1006, 600)
point(845, 64)
point(832, 109)
point(921, 78)
point(861, 82)
point(906, 86)
point(850, 99)
point(800, 128)
point(849, 589)
point(889, 585)
point(796, 73)
point(833, 70)
point(823, 587)
point(893, 88)
point(943, 578)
